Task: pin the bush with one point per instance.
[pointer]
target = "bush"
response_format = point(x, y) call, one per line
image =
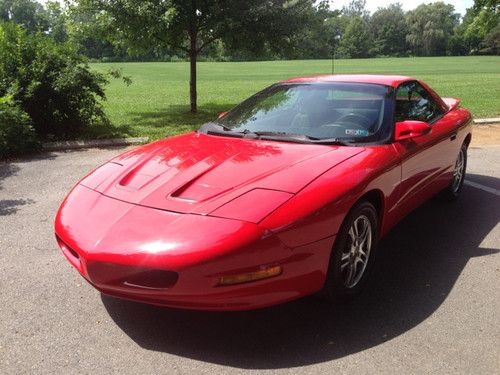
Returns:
point(51, 83)
point(17, 136)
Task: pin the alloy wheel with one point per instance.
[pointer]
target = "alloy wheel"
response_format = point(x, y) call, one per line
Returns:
point(458, 172)
point(357, 251)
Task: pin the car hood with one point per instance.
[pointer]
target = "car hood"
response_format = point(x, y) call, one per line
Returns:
point(197, 173)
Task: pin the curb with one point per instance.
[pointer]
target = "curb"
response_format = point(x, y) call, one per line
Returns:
point(73, 145)
point(487, 121)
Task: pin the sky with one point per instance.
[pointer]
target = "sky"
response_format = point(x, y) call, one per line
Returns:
point(372, 5)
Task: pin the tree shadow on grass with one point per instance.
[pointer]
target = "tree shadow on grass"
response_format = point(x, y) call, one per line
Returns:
point(106, 131)
point(418, 265)
point(177, 119)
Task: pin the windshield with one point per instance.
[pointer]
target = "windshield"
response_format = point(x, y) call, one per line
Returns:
point(350, 111)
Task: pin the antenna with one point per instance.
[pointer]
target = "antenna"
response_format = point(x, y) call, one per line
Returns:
point(335, 39)
point(333, 60)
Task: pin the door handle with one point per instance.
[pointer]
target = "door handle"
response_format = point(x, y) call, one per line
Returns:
point(453, 137)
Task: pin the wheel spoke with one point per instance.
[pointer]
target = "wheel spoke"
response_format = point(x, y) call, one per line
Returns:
point(366, 237)
point(344, 261)
point(364, 231)
point(355, 228)
point(362, 254)
point(350, 275)
point(352, 235)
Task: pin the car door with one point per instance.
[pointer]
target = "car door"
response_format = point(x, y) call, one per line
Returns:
point(426, 161)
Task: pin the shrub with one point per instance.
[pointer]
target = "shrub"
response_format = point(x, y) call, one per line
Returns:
point(51, 83)
point(17, 136)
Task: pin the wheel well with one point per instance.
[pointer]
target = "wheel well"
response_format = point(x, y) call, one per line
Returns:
point(375, 197)
point(468, 139)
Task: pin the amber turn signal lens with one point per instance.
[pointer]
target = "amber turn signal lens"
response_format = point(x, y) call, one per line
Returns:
point(250, 276)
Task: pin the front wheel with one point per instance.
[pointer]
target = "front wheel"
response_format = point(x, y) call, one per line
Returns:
point(353, 253)
point(453, 191)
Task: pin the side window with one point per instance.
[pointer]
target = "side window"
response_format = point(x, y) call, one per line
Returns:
point(413, 102)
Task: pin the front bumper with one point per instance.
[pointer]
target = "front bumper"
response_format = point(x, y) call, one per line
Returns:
point(176, 260)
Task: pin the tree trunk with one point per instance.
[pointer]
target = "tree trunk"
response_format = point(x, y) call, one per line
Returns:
point(193, 54)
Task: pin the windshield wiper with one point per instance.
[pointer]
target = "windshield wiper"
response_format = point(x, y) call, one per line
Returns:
point(213, 128)
point(282, 136)
point(334, 141)
point(264, 133)
point(301, 138)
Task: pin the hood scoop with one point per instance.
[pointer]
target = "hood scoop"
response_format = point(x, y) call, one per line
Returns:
point(196, 191)
point(136, 180)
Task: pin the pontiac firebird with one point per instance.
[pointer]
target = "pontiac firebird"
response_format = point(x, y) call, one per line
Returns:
point(283, 196)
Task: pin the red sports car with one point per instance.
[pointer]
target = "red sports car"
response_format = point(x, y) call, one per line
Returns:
point(283, 196)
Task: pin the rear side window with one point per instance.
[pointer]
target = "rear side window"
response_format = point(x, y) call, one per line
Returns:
point(413, 102)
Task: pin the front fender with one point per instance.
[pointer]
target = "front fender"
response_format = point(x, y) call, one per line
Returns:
point(317, 211)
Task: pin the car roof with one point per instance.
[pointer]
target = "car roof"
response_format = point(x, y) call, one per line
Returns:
point(381, 79)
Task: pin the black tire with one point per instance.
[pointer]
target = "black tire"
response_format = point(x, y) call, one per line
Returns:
point(453, 191)
point(337, 284)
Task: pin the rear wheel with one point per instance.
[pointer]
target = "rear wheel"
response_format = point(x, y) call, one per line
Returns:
point(453, 191)
point(353, 252)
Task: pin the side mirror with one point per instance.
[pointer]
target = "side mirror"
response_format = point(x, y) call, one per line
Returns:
point(411, 129)
point(222, 114)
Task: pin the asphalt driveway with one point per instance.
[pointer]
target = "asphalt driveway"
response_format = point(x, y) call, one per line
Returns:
point(433, 305)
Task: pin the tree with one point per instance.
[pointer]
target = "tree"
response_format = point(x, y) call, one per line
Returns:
point(356, 41)
point(190, 26)
point(429, 28)
point(26, 13)
point(388, 28)
point(34, 17)
point(89, 33)
point(492, 40)
point(482, 19)
point(316, 40)
point(356, 8)
point(56, 21)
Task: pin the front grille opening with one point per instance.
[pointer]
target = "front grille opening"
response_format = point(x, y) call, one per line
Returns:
point(110, 274)
point(63, 244)
point(153, 279)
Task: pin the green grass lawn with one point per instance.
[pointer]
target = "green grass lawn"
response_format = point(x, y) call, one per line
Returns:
point(157, 102)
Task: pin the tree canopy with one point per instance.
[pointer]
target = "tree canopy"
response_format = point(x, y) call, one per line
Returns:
point(192, 26)
point(430, 26)
point(389, 29)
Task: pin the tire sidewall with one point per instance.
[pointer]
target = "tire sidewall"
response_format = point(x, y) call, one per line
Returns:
point(334, 286)
point(459, 190)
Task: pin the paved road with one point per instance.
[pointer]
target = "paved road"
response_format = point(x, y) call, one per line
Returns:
point(432, 307)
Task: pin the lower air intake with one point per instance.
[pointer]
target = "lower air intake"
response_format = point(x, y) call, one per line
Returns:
point(118, 275)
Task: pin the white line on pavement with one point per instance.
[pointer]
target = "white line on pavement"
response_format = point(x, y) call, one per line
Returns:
point(482, 187)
